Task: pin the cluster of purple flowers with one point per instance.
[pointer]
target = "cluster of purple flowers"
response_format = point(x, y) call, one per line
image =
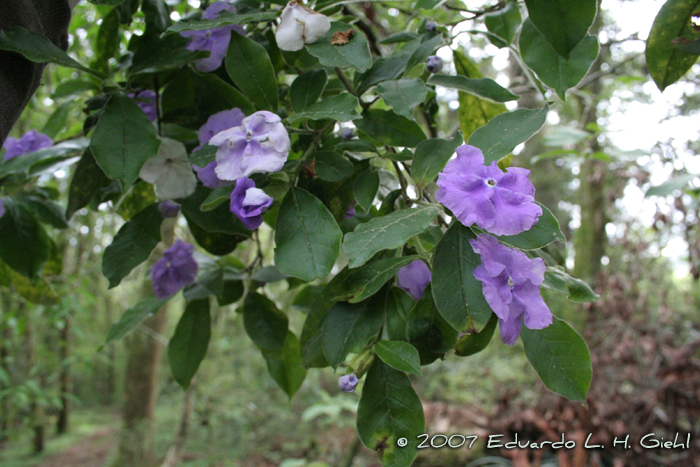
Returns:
point(174, 270)
point(28, 142)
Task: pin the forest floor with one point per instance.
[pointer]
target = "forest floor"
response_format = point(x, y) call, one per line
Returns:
point(92, 452)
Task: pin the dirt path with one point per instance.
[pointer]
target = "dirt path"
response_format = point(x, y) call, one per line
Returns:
point(92, 452)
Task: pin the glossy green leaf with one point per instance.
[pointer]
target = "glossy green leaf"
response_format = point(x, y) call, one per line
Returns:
point(268, 274)
point(365, 188)
point(561, 358)
point(390, 410)
point(130, 320)
point(349, 327)
point(45, 210)
point(564, 23)
point(331, 166)
point(423, 51)
point(397, 306)
point(554, 70)
point(25, 246)
point(88, 179)
point(431, 156)
point(218, 220)
point(157, 16)
point(189, 344)
point(671, 185)
point(264, 323)
point(249, 66)
point(458, 294)
point(58, 119)
point(428, 331)
point(285, 365)
point(382, 70)
point(132, 245)
point(403, 95)
point(307, 237)
point(123, 140)
point(353, 54)
point(217, 197)
point(575, 289)
point(204, 155)
point(307, 88)
point(666, 63)
point(107, 40)
point(482, 87)
point(471, 344)
point(223, 19)
point(388, 232)
point(38, 48)
point(390, 129)
point(72, 87)
point(504, 132)
point(31, 163)
point(340, 107)
point(399, 355)
point(544, 232)
point(504, 24)
point(157, 54)
point(368, 279)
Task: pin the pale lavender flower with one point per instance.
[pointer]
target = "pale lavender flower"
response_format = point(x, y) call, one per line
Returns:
point(147, 101)
point(501, 203)
point(174, 270)
point(511, 284)
point(28, 142)
point(348, 383)
point(168, 209)
point(2, 207)
point(170, 171)
point(260, 144)
point(434, 64)
point(249, 203)
point(214, 40)
point(413, 278)
point(218, 122)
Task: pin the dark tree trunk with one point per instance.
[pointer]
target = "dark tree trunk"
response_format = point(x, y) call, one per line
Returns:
point(64, 378)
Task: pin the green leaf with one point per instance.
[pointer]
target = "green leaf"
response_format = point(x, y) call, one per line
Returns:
point(458, 294)
point(561, 358)
point(544, 232)
point(38, 48)
point(503, 23)
point(390, 129)
point(223, 19)
point(203, 156)
point(108, 38)
point(504, 132)
point(188, 346)
point(232, 291)
point(471, 344)
point(218, 220)
point(481, 87)
point(307, 88)
point(44, 210)
point(123, 140)
point(423, 51)
point(217, 197)
point(307, 237)
point(575, 289)
point(264, 323)
point(564, 23)
point(332, 167)
point(157, 54)
point(268, 274)
point(72, 87)
point(349, 328)
point(132, 245)
point(671, 185)
point(25, 246)
point(130, 320)
point(365, 188)
point(399, 355)
point(340, 107)
point(431, 156)
point(157, 16)
point(554, 70)
point(249, 66)
point(37, 291)
point(428, 331)
point(473, 111)
point(88, 179)
point(388, 232)
point(403, 95)
point(285, 365)
point(667, 63)
point(397, 306)
point(367, 280)
point(390, 410)
point(382, 69)
point(29, 163)
point(353, 54)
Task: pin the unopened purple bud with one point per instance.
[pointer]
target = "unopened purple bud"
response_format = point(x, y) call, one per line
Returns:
point(168, 209)
point(434, 64)
point(431, 26)
point(346, 134)
point(413, 278)
point(348, 383)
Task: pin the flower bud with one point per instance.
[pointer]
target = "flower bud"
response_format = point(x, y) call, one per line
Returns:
point(348, 383)
point(431, 26)
point(434, 64)
point(346, 134)
point(300, 25)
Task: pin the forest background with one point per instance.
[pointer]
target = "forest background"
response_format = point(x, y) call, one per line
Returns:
point(632, 236)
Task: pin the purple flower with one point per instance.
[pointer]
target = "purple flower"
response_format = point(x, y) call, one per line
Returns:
point(346, 134)
point(511, 284)
point(434, 64)
point(248, 203)
point(348, 383)
point(351, 210)
point(413, 278)
point(259, 144)
point(174, 270)
point(29, 142)
point(501, 203)
point(214, 40)
point(147, 101)
point(168, 209)
point(2, 207)
point(218, 122)
point(431, 26)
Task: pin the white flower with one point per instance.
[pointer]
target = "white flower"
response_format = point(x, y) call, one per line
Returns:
point(170, 171)
point(300, 25)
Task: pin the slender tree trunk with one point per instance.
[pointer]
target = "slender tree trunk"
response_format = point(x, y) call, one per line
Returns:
point(37, 411)
point(64, 378)
point(172, 458)
point(4, 366)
